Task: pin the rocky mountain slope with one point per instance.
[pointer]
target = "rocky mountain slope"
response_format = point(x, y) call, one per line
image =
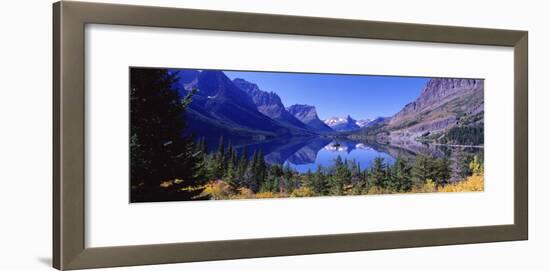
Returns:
point(269, 104)
point(308, 115)
point(444, 104)
point(363, 123)
point(222, 108)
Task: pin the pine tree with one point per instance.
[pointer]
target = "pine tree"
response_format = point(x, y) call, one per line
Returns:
point(442, 168)
point(365, 181)
point(476, 166)
point(253, 173)
point(262, 169)
point(203, 147)
point(229, 154)
point(320, 183)
point(230, 176)
point(235, 160)
point(243, 165)
point(463, 163)
point(220, 159)
point(400, 178)
point(377, 172)
point(341, 176)
point(358, 180)
point(422, 170)
point(288, 176)
point(308, 179)
point(221, 148)
point(275, 174)
point(159, 151)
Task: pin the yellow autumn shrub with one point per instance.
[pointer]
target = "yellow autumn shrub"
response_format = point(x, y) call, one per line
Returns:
point(267, 195)
point(375, 190)
point(243, 193)
point(218, 190)
point(303, 191)
point(471, 184)
point(427, 187)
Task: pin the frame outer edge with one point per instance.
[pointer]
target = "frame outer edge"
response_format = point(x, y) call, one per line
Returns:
point(56, 221)
point(70, 149)
point(521, 131)
point(69, 250)
point(170, 17)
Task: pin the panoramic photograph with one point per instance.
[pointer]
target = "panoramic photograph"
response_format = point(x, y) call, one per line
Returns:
point(199, 134)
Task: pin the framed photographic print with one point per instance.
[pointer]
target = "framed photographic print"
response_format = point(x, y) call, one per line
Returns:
point(190, 135)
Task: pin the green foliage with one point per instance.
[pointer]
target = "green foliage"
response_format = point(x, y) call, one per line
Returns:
point(442, 170)
point(341, 176)
point(166, 164)
point(320, 183)
point(159, 153)
point(476, 166)
point(464, 135)
point(421, 170)
point(400, 176)
point(230, 175)
point(377, 175)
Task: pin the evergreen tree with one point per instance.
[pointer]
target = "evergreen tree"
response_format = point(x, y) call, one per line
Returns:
point(221, 148)
point(476, 166)
point(256, 172)
point(211, 165)
point(341, 176)
point(355, 172)
point(262, 168)
point(243, 165)
point(219, 168)
point(308, 179)
point(229, 154)
point(288, 176)
point(442, 171)
point(320, 183)
point(275, 175)
point(203, 147)
point(377, 173)
point(365, 181)
point(422, 170)
point(464, 135)
point(230, 175)
point(358, 179)
point(463, 163)
point(400, 178)
point(159, 150)
point(235, 160)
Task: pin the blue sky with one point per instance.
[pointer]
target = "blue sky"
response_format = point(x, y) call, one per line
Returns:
point(361, 96)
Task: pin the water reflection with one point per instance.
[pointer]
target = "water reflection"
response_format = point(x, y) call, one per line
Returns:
point(306, 153)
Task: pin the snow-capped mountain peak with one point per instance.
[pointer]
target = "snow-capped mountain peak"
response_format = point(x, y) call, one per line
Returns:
point(342, 124)
point(363, 123)
point(335, 121)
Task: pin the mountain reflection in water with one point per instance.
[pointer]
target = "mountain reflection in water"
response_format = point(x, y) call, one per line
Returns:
point(306, 153)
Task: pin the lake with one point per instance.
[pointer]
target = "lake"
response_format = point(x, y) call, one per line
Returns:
point(306, 153)
point(348, 150)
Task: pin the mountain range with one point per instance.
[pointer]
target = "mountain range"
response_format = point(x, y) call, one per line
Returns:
point(347, 124)
point(221, 108)
point(270, 104)
point(444, 105)
point(240, 109)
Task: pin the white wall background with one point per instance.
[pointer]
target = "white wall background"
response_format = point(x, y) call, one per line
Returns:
point(25, 138)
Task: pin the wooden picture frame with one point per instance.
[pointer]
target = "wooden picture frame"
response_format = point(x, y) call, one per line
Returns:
point(69, 20)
